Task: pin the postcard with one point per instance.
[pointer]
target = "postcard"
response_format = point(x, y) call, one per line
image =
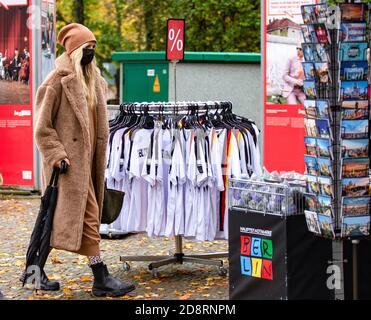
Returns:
point(325, 205)
point(321, 53)
point(355, 187)
point(323, 109)
point(310, 127)
point(353, 32)
point(311, 165)
point(354, 148)
point(354, 129)
point(353, 70)
point(354, 114)
point(320, 11)
point(309, 34)
point(353, 90)
point(312, 184)
point(355, 206)
point(322, 72)
point(324, 147)
point(310, 108)
point(308, 15)
point(322, 33)
point(355, 168)
point(352, 12)
point(311, 146)
point(325, 167)
point(326, 186)
point(353, 51)
point(308, 51)
point(310, 89)
point(355, 104)
point(355, 227)
point(312, 222)
point(309, 71)
point(323, 128)
point(311, 202)
point(326, 226)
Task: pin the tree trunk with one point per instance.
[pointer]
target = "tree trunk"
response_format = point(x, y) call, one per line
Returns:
point(78, 11)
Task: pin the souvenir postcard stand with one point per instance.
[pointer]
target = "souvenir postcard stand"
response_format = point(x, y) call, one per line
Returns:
point(272, 256)
point(350, 194)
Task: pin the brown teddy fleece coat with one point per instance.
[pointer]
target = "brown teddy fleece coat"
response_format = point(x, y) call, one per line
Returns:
point(61, 131)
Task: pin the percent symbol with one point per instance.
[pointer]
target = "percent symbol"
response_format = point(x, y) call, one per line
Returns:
point(178, 42)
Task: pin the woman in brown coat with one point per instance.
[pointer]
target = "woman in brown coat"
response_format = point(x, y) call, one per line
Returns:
point(72, 125)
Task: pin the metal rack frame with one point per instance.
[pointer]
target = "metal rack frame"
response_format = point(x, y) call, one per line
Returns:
point(179, 257)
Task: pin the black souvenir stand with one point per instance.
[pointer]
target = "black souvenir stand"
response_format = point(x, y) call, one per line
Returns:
point(274, 257)
point(356, 247)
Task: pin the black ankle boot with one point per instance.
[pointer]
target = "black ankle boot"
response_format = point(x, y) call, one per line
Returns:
point(45, 283)
point(106, 285)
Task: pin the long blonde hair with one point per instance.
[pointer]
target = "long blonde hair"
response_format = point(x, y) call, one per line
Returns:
point(87, 75)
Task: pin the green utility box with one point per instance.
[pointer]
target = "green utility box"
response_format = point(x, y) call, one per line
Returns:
point(144, 76)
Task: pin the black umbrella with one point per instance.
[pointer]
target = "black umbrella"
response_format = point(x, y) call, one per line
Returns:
point(39, 247)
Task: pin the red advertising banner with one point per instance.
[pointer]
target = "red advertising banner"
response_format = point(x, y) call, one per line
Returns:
point(16, 133)
point(175, 39)
point(283, 90)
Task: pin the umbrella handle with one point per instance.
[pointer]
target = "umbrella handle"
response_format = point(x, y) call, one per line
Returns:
point(64, 167)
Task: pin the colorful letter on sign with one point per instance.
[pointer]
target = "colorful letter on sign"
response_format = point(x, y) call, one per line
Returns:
point(256, 257)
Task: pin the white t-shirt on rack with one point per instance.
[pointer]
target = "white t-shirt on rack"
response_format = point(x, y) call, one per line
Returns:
point(137, 219)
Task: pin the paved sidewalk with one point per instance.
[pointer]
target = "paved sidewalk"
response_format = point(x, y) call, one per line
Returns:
point(187, 281)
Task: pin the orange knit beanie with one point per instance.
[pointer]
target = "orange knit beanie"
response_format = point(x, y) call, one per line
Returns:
point(74, 35)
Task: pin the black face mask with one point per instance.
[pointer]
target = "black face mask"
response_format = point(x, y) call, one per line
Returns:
point(87, 56)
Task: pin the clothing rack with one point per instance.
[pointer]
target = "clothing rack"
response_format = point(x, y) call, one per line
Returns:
point(179, 257)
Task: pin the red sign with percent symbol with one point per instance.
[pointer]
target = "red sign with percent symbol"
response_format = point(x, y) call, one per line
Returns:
point(175, 39)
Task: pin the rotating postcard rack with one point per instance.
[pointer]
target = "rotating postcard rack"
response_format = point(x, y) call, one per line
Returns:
point(337, 108)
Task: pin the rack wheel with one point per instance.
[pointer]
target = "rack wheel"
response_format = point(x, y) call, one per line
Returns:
point(109, 235)
point(126, 266)
point(154, 273)
point(222, 271)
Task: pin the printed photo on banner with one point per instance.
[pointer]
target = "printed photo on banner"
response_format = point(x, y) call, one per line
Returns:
point(326, 186)
point(354, 148)
point(311, 165)
point(324, 148)
point(325, 167)
point(48, 37)
point(353, 51)
point(310, 108)
point(353, 90)
point(325, 205)
point(354, 110)
point(353, 227)
point(311, 146)
point(355, 168)
point(352, 12)
point(355, 187)
point(312, 184)
point(358, 206)
point(326, 226)
point(354, 129)
point(284, 55)
point(15, 66)
point(353, 70)
point(353, 32)
point(312, 222)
